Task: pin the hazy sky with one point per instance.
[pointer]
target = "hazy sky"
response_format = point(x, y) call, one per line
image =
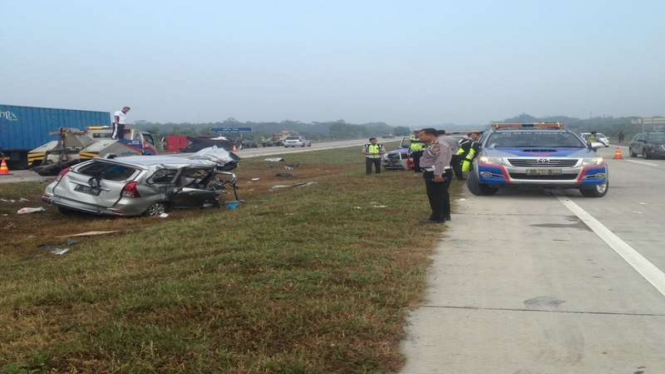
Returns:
point(403, 62)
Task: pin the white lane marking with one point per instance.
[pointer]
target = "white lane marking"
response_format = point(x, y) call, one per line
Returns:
point(642, 162)
point(643, 266)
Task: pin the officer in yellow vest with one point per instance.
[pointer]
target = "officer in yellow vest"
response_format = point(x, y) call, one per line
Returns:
point(592, 138)
point(471, 152)
point(416, 149)
point(468, 151)
point(373, 153)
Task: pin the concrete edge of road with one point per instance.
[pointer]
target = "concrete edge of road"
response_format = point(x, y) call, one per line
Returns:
point(643, 266)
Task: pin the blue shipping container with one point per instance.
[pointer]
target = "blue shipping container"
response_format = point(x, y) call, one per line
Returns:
point(25, 128)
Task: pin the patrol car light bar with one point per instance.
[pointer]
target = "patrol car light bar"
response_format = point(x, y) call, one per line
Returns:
point(523, 126)
point(98, 127)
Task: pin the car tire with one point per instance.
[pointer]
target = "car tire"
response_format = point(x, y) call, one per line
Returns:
point(598, 190)
point(303, 145)
point(632, 154)
point(646, 155)
point(156, 209)
point(309, 145)
point(477, 188)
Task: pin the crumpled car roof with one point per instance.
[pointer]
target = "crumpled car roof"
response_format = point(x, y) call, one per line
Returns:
point(175, 162)
point(207, 157)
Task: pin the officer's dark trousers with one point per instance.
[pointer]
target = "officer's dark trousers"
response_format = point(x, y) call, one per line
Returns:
point(437, 193)
point(456, 164)
point(372, 161)
point(416, 161)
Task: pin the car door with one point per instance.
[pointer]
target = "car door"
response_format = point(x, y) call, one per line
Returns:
point(192, 191)
point(639, 143)
point(635, 144)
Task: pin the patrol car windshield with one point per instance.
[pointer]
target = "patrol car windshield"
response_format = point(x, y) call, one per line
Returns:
point(531, 139)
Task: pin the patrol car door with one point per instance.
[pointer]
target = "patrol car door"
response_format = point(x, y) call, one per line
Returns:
point(192, 188)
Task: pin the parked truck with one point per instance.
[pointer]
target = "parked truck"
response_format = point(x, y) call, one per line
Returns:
point(23, 128)
point(73, 146)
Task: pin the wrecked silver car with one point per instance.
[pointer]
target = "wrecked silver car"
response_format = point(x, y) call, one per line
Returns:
point(144, 185)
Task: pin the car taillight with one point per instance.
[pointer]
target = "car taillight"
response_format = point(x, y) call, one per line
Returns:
point(131, 189)
point(62, 174)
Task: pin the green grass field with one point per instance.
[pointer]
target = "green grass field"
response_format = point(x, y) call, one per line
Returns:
point(305, 280)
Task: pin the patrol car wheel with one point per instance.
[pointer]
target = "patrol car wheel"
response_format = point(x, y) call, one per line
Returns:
point(598, 190)
point(477, 188)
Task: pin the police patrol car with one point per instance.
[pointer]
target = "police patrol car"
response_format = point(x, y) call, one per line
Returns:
point(537, 154)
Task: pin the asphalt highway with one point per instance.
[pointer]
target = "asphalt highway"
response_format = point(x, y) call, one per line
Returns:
point(533, 281)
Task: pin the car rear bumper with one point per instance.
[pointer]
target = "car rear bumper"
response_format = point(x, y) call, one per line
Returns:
point(122, 208)
point(577, 177)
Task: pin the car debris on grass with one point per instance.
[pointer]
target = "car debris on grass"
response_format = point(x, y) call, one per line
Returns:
point(31, 210)
point(284, 186)
point(89, 233)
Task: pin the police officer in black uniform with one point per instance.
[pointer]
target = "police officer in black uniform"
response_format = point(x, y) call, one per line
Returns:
point(437, 173)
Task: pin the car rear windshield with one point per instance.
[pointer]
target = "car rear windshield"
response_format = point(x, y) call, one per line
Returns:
point(656, 137)
point(293, 138)
point(107, 170)
point(534, 139)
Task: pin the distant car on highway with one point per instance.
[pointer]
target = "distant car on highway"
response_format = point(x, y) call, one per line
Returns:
point(600, 138)
point(538, 154)
point(297, 141)
point(648, 145)
point(142, 185)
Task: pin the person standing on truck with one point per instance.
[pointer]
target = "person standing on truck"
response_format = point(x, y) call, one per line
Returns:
point(373, 153)
point(416, 149)
point(437, 173)
point(119, 121)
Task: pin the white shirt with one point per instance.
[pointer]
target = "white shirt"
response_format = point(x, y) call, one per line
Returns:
point(121, 117)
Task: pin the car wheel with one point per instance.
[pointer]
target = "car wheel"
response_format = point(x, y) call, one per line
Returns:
point(477, 188)
point(303, 145)
point(309, 145)
point(632, 154)
point(598, 190)
point(646, 155)
point(155, 210)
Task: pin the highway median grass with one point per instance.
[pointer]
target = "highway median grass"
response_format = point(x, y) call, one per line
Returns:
point(313, 279)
